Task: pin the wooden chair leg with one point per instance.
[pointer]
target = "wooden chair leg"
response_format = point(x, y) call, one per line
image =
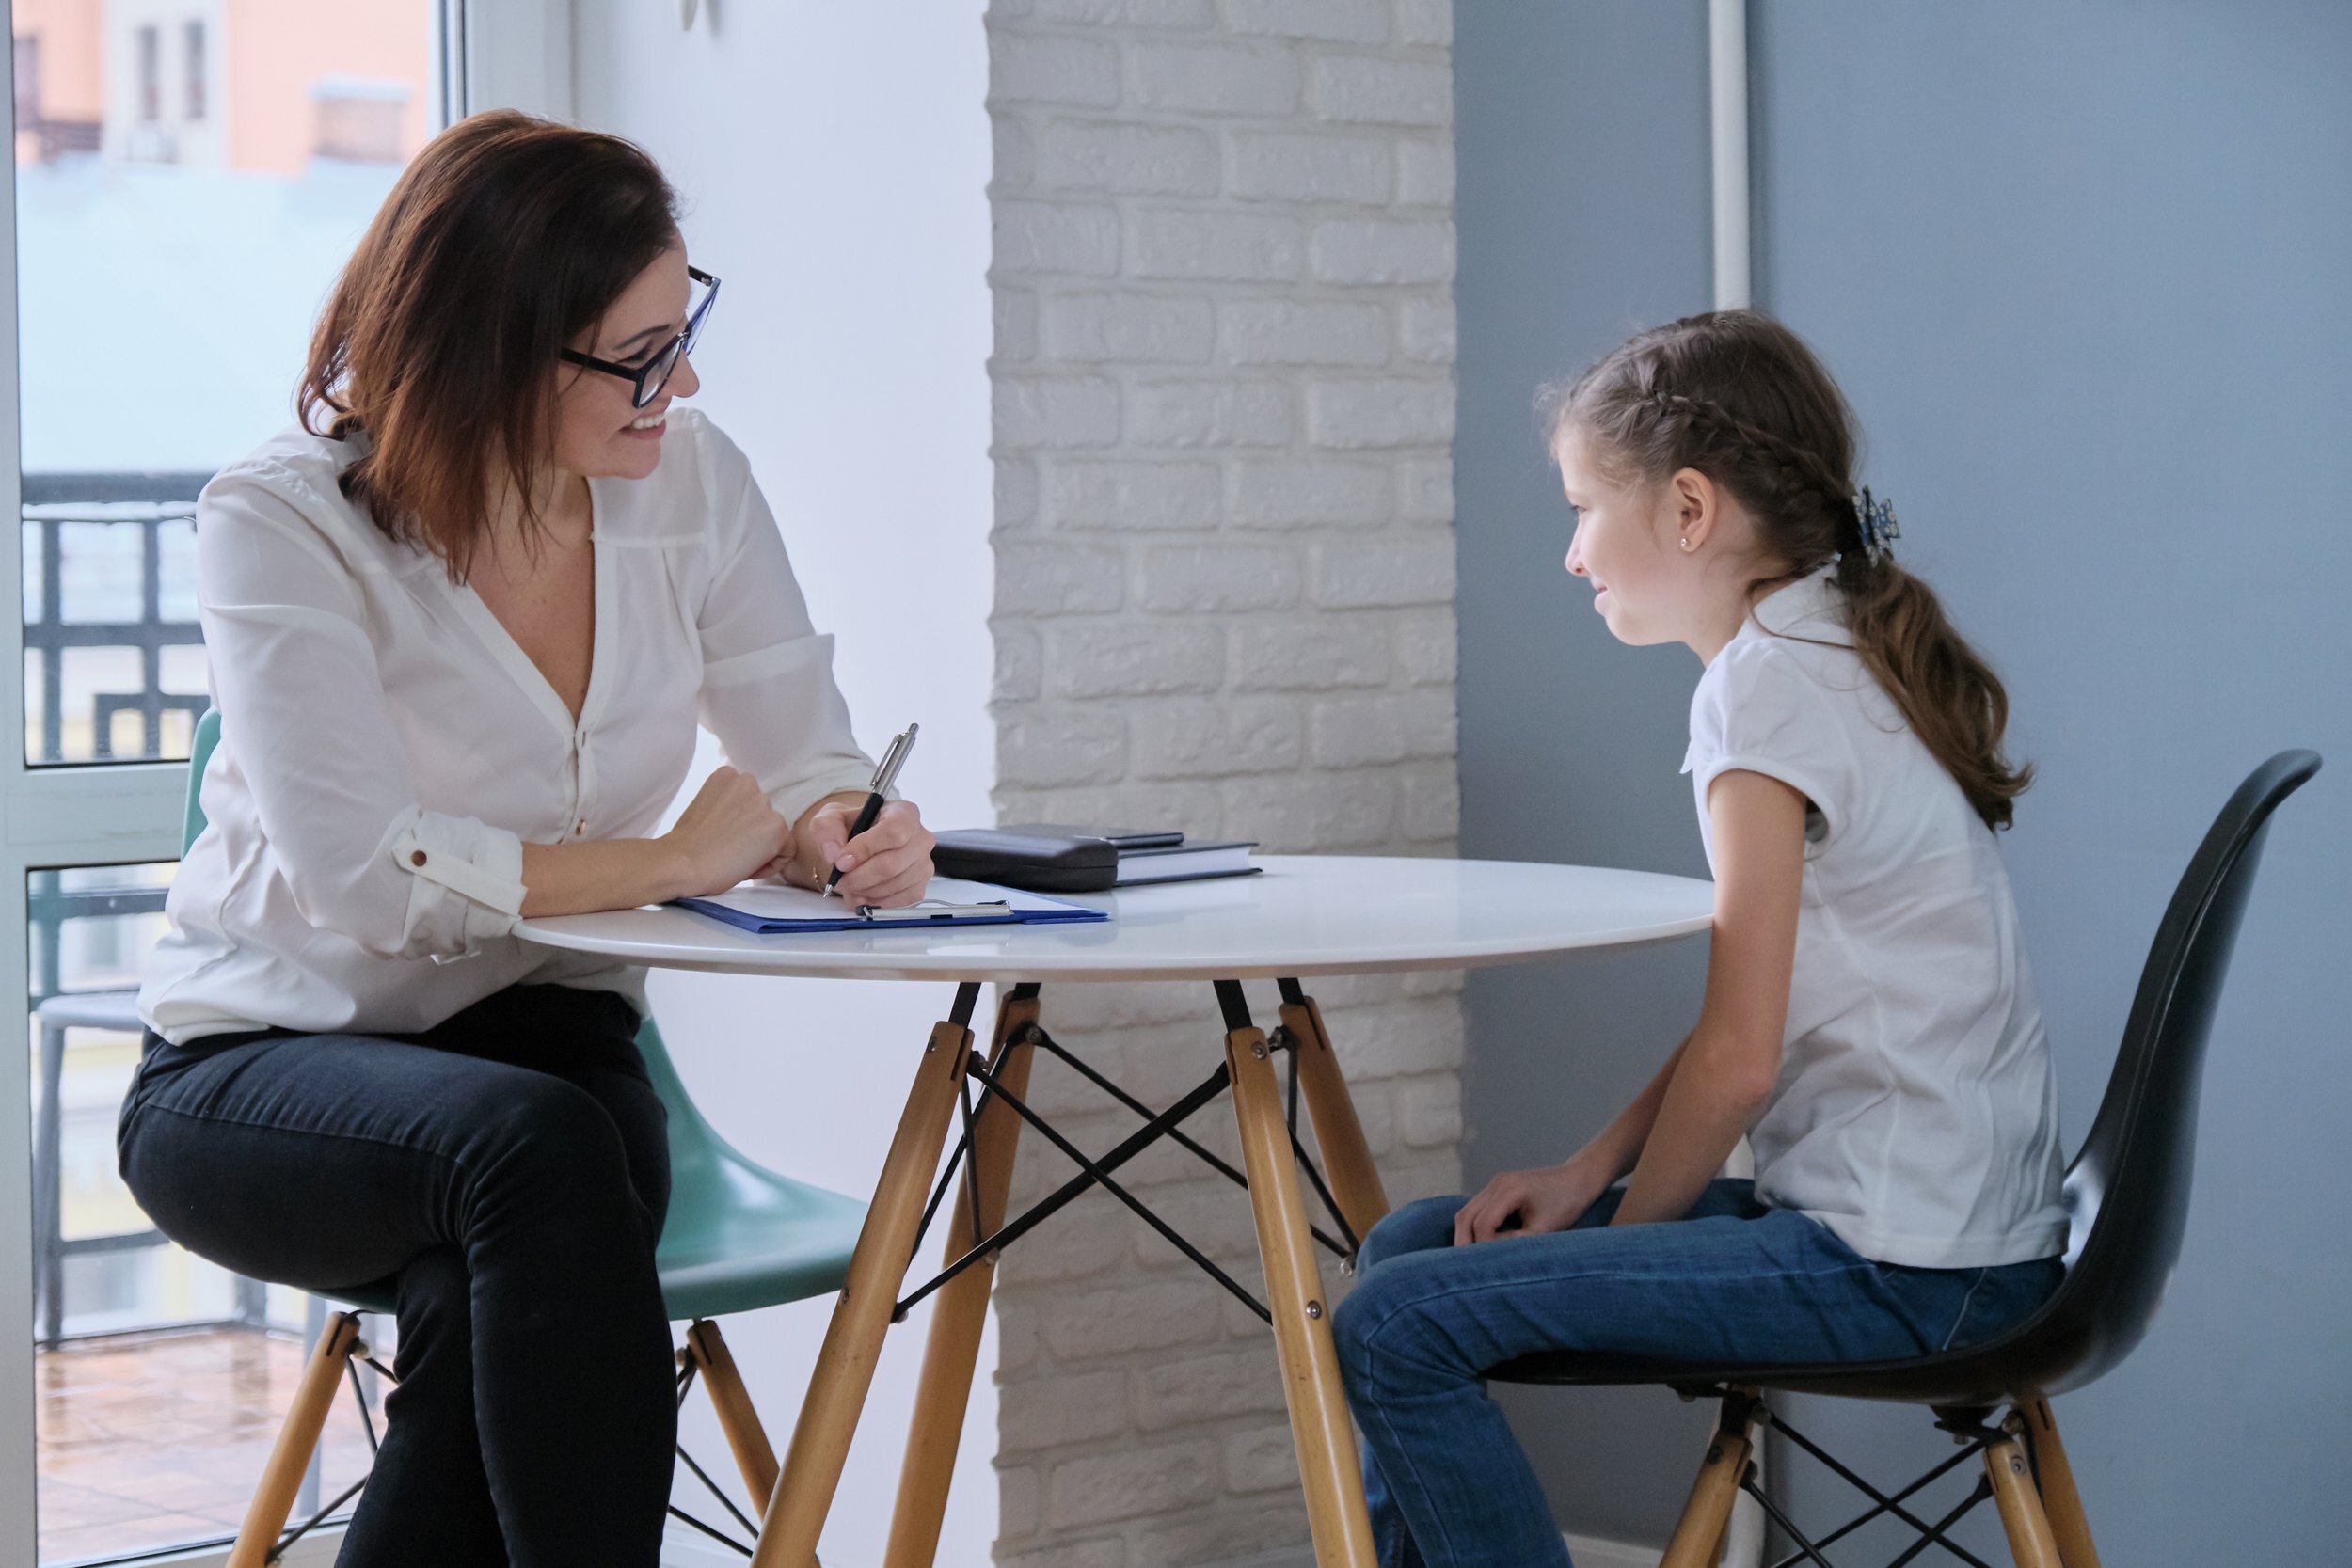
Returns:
point(1346, 1157)
point(2031, 1541)
point(2059, 1501)
point(959, 1315)
point(861, 1317)
point(1302, 1325)
point(1707, 1516)
point(754, 1458)
point(298, 1437)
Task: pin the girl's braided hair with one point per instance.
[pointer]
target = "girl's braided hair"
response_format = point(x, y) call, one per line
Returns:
point(1739, 397)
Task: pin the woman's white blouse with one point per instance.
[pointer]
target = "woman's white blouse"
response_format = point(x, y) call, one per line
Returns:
point(1916, 1111)
point(387, 749)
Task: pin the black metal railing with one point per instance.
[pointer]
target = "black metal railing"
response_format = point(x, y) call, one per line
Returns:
point(148, 502)
point(55, 507)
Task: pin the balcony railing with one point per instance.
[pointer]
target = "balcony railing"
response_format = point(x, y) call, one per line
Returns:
point(108, 589)
point(84, 591)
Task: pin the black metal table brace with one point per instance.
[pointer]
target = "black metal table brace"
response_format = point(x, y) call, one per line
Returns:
point(1097, 1171)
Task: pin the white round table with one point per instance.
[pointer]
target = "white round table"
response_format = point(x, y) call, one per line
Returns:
point(1303, 915)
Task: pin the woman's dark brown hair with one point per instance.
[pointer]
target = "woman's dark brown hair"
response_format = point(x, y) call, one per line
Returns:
point(504, 239)
point(1740, 398)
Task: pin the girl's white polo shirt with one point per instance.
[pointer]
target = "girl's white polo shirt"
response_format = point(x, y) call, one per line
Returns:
point(1915, 1115)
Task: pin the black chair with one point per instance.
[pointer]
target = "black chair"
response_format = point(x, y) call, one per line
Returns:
point(2127, 1197)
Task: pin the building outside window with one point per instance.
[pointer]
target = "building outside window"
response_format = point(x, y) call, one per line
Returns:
point(191, 48)
point(150, 45)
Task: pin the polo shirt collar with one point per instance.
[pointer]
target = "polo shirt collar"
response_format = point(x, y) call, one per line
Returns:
point(1813, 607)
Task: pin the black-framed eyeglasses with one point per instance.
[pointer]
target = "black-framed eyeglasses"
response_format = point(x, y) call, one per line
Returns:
point(650, 375)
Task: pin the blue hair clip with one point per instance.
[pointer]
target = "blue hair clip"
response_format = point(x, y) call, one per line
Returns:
point(1875, 520)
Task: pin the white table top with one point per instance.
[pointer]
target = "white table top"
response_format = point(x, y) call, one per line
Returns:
point(1306, 914)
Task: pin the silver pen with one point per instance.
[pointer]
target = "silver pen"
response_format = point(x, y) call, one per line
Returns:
point(886, 774)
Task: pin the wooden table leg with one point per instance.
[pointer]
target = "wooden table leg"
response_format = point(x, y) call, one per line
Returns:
point(1302, 1320)
point(1346, 1157)
point(845, 1365)
point(952, 1351)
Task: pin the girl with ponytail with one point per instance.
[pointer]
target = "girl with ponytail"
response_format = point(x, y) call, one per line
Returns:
point(1868, 1022)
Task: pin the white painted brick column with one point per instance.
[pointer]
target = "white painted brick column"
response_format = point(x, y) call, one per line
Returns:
point(1224, 405)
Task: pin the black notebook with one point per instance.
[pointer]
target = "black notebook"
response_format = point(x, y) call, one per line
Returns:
point(1049, 857)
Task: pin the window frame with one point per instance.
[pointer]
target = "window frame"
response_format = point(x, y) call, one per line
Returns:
point(492, 53)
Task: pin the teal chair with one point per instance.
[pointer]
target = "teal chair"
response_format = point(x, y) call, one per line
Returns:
point(738, 1237)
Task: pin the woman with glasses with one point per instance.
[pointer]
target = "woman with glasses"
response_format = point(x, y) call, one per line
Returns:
point(462, 621)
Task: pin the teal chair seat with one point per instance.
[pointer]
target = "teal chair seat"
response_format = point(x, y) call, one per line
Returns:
point(738, 1236)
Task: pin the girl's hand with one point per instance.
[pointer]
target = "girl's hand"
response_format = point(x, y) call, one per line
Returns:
point(1551, 1198)
point(888, 864)
point(729, 831)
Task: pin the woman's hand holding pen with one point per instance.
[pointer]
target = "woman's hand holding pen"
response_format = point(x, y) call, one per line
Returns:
point(888, 864)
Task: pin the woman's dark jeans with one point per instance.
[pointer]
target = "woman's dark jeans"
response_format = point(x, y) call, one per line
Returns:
point(507, 1173)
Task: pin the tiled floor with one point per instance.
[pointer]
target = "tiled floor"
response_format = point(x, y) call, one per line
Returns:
point(148, 1441)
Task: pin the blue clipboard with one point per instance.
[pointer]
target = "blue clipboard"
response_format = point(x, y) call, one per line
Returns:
point(768, 910)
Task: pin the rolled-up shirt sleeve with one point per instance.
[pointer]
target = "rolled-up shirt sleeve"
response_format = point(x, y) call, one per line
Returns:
point(302, 705)
point(768, 691)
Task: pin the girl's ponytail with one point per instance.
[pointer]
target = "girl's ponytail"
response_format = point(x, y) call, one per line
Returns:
point(1740, 398)
point(1949, 696)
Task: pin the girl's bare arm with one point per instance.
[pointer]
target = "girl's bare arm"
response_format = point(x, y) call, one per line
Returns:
point(1728, 1067)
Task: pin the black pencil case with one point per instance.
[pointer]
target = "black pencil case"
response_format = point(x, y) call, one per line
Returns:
point(1037, 862)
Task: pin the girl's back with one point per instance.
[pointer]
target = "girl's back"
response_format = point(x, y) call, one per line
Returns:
point(1915, 1113)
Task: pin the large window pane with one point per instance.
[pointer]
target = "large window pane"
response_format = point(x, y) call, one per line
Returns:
point(191, 174)
point(162, 1377)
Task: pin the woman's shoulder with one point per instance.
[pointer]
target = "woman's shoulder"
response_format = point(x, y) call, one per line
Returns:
point(712, 459)
point(291, 483)
point(296, 464)
point(693, 496)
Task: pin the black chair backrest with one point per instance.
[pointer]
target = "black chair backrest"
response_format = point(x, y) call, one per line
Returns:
point(2127, 1190)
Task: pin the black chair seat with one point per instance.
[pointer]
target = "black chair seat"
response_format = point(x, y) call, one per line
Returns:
point(2059, 1347)
point(2031, 1361)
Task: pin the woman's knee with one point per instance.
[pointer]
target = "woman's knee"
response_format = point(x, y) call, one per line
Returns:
point(537, 1132)
point(1418, 1226)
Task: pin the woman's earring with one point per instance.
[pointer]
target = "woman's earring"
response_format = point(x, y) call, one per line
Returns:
point(1686, 541)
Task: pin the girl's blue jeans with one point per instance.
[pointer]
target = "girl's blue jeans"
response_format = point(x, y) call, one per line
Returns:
point(1732, 1280)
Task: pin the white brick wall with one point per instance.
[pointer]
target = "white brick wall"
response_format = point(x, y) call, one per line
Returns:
point(1224, 405)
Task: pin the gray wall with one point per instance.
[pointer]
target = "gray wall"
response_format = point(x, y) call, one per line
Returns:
point(2080, 268)
point(1580, 132)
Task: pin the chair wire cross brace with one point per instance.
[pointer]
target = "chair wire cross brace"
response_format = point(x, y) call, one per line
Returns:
point(1097, 1172)
point(684, 1386)
point(366, 1426)
point(1968, 1431)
